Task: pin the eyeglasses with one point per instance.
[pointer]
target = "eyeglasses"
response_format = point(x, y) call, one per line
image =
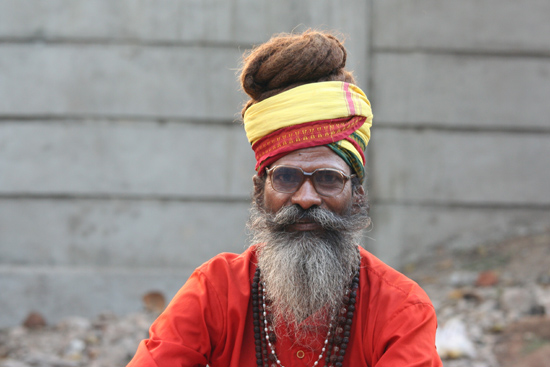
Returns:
point(326, 181)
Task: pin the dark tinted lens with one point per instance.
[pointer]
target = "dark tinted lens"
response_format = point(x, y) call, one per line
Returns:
point(286, 179)
point(328, 182)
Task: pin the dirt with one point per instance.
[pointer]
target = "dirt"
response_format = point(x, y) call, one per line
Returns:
point(502, 293)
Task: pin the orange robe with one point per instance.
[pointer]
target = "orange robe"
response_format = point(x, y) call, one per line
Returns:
point(209, 321)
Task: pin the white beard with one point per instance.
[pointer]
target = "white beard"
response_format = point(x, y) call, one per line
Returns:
point(306, 273)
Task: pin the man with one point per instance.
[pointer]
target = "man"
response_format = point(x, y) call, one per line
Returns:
point(304, 293)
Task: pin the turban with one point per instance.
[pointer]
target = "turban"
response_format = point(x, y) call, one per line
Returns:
point(336, 114)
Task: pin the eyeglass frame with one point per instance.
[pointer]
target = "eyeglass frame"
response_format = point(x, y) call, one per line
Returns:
point(305, 175)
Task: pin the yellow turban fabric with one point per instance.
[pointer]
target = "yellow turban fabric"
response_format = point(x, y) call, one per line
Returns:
point(336, 114)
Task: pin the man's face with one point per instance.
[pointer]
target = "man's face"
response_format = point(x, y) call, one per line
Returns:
point(308, 242)
point(310, 159)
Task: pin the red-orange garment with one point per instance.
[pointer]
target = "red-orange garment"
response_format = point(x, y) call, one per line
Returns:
point(209, 321)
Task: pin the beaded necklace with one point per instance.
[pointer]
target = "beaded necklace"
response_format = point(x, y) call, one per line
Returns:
point(335, 343)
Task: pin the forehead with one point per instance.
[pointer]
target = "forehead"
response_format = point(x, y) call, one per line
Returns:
point(310, 159)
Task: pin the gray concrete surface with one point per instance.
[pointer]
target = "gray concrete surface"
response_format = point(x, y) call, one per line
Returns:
point(122, 167)
point(483, 26)
point(125, 158)
point(411, 231)
point(192, 21)
point(461, 167)
point(462, 91)
point(144, 233)
point(119, 80)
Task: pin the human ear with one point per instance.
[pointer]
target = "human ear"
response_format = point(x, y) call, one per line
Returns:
point(258, 184)
point(358, 192)
point(358, 196)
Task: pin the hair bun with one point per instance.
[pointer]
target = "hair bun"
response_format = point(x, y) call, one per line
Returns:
point(289, 60)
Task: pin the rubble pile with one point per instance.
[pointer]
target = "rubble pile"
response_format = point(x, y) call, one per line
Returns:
point(107, 341)
point(492, 302)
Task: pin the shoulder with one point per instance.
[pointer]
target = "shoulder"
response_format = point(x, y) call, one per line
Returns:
point(389, 287)
point(228, 268)
point(222, 280)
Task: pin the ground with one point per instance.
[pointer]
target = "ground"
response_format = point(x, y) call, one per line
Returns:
point(492, 302)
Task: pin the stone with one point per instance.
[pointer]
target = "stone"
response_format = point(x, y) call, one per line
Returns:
point(74, 325)
point(75, 350)
point(34, 320)
point(452, 340)
point(462, 278)
point(517, 301)
point(154, 301)
point(487, 279)
point(12, 363)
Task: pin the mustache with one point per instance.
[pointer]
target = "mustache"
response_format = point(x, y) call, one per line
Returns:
point(326, 219)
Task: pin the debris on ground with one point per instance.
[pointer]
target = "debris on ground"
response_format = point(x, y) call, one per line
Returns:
point(106, 341)
point(494, 298)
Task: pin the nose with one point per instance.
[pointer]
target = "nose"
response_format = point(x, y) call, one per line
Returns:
point(306, 196)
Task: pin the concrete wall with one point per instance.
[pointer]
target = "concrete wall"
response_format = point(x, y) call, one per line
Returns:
point(461, 151)
point(122, 166)
point(122, 163)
